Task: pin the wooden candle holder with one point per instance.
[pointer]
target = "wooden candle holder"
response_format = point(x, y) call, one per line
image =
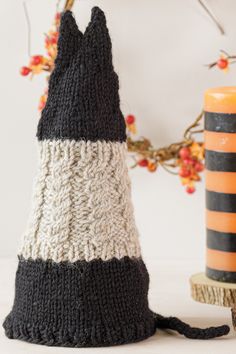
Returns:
point(214, 292)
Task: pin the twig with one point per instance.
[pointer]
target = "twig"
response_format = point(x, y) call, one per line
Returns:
point(167, 169)
point(69, 4)
point(28, 27)
point(188, 133)
point(212, 16)
point(228, 56)
point(144, 148)
point(224, 52)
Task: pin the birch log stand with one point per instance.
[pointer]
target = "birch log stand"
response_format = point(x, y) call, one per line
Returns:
point(213, 292)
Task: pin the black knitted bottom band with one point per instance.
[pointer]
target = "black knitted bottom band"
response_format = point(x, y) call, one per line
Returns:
point(83, 304)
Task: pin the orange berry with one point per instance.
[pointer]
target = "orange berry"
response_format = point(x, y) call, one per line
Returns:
point(199, 167)
point(54, 40)
point(184, 152)
point(36, 60)
point(24, 71)
point(190, 189)
point(184, 172)
point(130, 119)
point(222, 63)
point(189, 161)
point(152, 166)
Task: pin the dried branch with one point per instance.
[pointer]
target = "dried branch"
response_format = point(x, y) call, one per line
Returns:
point(212, 16)
point(189, 131)
point(69, 4)
point(168, 153)
point(28, 27)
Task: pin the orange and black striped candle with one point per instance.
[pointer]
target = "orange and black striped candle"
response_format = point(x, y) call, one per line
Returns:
point(220, 154)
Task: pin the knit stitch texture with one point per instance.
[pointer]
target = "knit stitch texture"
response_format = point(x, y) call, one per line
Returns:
point(82, 304)
point(82, 206)
point(81, 280)
point(83, 101)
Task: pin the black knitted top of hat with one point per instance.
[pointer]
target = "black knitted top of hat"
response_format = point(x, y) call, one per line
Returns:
point(83, 99)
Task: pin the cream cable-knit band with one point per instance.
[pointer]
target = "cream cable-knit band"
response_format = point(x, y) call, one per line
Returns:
point(81, 207)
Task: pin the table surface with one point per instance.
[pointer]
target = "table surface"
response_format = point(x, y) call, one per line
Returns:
point(169, 295)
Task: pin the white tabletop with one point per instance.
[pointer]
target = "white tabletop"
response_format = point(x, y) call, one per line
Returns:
point(169, 295)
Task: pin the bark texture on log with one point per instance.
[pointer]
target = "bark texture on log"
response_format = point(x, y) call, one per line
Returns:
point(233, 313)
point(213, 292)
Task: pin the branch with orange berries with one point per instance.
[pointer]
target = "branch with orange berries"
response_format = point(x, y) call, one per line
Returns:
point(45, 63)
point(184, 158)
point(224, 61)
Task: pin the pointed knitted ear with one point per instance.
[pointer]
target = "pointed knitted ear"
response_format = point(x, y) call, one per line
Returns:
point(69, 39)
point(97, 42)
point(98, 16)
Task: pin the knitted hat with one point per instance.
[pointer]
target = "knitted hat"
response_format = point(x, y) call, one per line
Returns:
point(81, 280)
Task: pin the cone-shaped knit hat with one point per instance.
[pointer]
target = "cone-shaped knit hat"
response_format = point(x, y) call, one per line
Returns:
point(81, 280)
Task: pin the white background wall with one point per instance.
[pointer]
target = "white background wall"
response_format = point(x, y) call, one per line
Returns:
point(160, 48)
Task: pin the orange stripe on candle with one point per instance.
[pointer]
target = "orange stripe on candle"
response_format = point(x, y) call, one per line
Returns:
point(222, 222)
point(221, 260)
point(224, 142)
point(220, 100)
point(222, 182)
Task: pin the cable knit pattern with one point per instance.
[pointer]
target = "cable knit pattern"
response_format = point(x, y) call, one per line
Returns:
point(82, 206)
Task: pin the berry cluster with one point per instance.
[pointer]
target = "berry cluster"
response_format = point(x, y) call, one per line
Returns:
point(148, 163)
point(187, 156)
point(40, 63)
point(36, 65)
point(130, 123)
point(190, 164)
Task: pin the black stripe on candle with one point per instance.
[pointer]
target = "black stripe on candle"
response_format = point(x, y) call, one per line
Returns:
point(221, 202)
point(220, 161)
point(221, 241)
point(220, 122)
point(221, 275)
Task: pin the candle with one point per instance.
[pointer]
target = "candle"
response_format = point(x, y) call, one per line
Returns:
point(220, 151)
